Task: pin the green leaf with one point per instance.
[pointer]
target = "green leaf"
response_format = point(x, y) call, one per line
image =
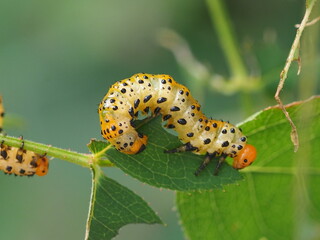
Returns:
point(172, 171)
point(113, 206)
point(280, 198)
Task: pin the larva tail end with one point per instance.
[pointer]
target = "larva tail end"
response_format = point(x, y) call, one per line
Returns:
point(245, 157)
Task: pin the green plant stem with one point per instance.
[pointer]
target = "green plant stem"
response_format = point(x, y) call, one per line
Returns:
point(223, 27)
point(81, 159)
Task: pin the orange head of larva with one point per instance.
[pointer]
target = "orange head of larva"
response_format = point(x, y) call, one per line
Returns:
point(43, 165)
point(245, 157)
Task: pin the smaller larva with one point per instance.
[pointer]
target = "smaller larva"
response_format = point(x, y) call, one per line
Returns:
point(19, 161)
point(160, 94)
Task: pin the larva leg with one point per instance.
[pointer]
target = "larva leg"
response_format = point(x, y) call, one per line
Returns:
point(3, 152)
point(219, 164)
point(184, 148)
point(21, 151)
point(205, 163)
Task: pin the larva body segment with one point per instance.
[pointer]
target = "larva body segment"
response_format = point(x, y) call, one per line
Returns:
point(160, 94)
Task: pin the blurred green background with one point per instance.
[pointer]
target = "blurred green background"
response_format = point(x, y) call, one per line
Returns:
point(58, 59)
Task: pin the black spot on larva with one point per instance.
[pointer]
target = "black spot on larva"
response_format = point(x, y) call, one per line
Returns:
point(187, 93)
point(215, 125)
point(4, 154)
point(233, 152)
point(147, 98)
point(125, 145)
point(240, 147)
point(33, 164)
point(131, 112)
point(183, 100)
point(200, 120)
point(156, 110)
point(124, 84)
point(181, 92)
point(233, 146)
point(120, 124)
point(245, 160)
point(163, 81)
point(113, 127)
point(120, 131)
point(206, 121)
point(182, 121)
point(170, 80)
point(166, 117)
point(224, 131)
point(140, 81)
point(136, 103)
point(193, 106)
point(171, 126)
point(198, 108)
point(131, 143)
point(225, 144)
point(115, 108)
point(174, 109)
point(112, 100)
point(161, 100)
point(169, 88)
point(140, 135)
point(192, 114)
point(118, 142)
point(123, 90)
point(22, 171)
point(19, 157)
point(190, 134)
point(9, 168)
point(207, 128)
point(145, 77)
point(146, 110)
point(243, 139)
point(207, 141)
point(232, 130)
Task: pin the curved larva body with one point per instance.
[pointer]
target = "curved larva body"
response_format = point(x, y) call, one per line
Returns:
point(19, 161)
point(162, 95)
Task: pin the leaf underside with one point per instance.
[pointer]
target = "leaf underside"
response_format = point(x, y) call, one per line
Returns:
point(113, 206)
point(280, 198)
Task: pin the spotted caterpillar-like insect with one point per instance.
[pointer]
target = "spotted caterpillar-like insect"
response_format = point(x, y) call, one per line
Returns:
point(160, 94)
point(19, 161)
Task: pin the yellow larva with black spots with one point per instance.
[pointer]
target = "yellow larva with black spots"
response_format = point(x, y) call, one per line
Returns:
point(160, 94)
point(19, 161)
